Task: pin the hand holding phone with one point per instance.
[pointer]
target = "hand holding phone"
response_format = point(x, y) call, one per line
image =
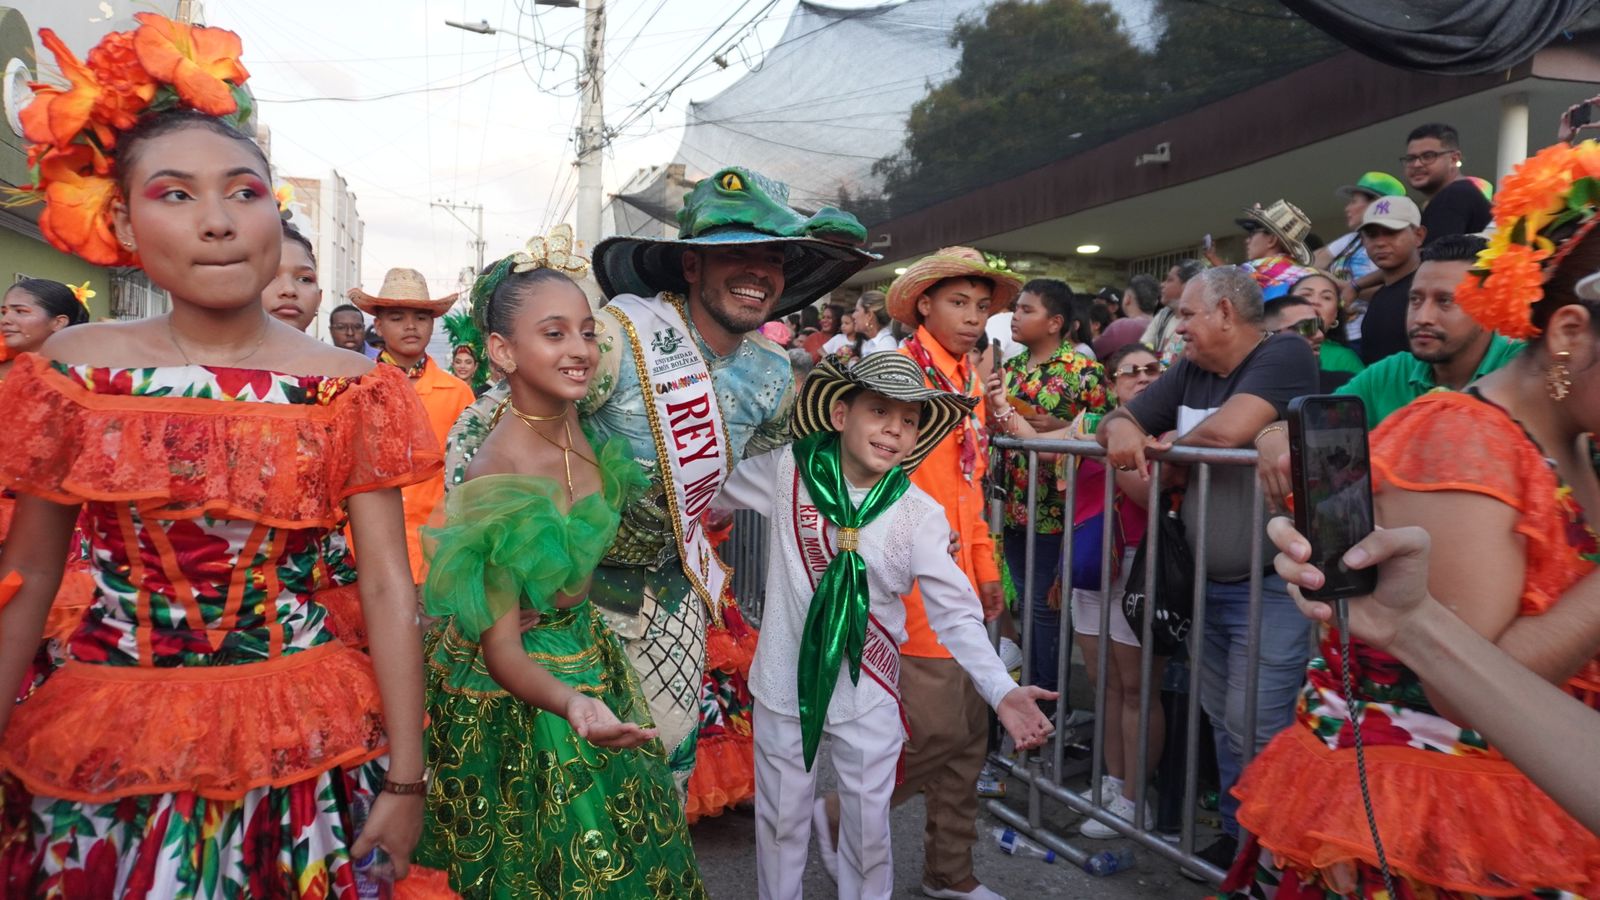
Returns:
point(1331, 472)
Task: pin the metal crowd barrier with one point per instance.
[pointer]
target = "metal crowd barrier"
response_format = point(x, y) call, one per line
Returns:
point(746, 551)
point(1046, 783)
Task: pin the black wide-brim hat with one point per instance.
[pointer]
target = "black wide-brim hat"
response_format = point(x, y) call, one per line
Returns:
point(892, 375)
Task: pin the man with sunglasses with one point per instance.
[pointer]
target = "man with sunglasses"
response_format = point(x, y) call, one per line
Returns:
point(1432, 166)
point(1289, 314)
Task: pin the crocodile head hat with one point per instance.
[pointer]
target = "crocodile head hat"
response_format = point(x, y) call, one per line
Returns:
point(738, 207)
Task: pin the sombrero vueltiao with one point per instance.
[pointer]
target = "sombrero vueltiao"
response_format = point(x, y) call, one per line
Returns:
point(1285, 221)
point(738, 207)
point(951, 262)
point(892, 375)
point(402, 289)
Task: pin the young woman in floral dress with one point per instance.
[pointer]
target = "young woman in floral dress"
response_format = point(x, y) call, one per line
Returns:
point(1499, 475)
point(207, 735)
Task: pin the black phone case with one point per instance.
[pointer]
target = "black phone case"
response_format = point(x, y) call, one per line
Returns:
point(1339, 583)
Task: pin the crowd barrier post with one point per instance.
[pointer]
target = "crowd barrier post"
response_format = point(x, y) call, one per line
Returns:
point(1045, 783)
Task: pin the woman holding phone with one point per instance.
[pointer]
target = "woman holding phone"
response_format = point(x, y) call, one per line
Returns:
point(1499, 476)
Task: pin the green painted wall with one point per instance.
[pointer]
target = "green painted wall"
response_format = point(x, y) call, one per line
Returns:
point(36, 259)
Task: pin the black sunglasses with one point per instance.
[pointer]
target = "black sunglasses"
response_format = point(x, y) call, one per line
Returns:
point(1306, 328)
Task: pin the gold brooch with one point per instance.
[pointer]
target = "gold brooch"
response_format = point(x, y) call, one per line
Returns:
point(849, 540)
point(553, 251)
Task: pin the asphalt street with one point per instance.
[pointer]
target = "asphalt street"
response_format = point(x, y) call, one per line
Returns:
point(726, 849)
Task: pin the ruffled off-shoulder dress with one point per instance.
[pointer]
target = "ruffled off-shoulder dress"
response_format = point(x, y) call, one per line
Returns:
point(521, 806)
point(207, 732)
point(1458, 821)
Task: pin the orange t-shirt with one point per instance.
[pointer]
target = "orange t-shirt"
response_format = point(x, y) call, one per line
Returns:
point(962, 498)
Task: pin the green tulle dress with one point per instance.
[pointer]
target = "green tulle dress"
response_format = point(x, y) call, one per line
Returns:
point(520, 805)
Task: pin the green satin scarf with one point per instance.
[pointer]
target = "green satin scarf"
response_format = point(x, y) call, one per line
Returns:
point(836, 625)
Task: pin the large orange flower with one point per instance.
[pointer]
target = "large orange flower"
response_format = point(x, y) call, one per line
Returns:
point(1503, 299)
point(1535, 188)
point(77, 211)
point(56, 116)
point(198, 62)
point(126, 88)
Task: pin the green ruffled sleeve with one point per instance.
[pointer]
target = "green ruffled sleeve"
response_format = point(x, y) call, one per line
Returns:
point(506, 543)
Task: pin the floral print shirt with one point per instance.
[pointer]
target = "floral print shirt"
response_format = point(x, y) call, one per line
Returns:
point(1063, 386)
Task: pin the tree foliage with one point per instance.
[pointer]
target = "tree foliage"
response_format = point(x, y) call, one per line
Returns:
point(1039, 81)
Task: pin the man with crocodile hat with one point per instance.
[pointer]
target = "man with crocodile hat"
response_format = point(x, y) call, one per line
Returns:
point(686, 378)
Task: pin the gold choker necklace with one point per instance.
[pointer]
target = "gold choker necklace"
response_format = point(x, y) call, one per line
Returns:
point(567, 452)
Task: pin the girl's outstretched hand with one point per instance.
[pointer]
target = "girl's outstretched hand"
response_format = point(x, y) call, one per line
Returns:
point(597, 724)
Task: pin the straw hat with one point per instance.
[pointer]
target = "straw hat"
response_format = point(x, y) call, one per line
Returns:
point(402, 289)
point(893, 376)
point(1284, 220)
point(951, 262)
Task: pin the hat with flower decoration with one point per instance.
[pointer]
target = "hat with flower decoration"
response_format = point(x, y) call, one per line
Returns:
point(1543, 210)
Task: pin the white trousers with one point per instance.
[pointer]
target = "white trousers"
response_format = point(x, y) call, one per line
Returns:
point(865, 753)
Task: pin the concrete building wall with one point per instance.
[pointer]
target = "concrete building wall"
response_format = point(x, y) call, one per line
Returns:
point(325, 208)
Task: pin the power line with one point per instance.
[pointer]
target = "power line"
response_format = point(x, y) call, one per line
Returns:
point(392, 94)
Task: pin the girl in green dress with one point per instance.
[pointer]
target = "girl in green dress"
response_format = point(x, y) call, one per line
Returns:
point(548, 777)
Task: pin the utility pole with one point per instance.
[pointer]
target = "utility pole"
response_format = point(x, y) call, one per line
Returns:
point(591, 132)
point(450, 207)
point(592, 127)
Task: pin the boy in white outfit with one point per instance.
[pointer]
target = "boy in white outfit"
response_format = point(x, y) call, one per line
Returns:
point(849, 535)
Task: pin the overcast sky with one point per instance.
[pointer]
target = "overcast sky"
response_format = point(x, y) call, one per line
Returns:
point(503, 140)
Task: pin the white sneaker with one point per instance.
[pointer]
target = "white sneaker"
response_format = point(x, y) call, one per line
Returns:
point(978, 893)
point(824, 838)
point(1121, 807)
point(1010, 655)
point(1110, 787)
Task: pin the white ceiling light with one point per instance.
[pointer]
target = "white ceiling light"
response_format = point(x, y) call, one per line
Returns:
point(900, 271)
point(1087, 249)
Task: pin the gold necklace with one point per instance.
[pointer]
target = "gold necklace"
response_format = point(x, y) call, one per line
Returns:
point(172, 334)
point(567, 452)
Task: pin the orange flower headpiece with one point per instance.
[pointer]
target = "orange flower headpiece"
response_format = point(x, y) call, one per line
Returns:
point(73, 130)
point(1542, 211)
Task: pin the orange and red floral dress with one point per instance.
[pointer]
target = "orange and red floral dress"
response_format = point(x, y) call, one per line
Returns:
point(207, 731)
point(1456, 818)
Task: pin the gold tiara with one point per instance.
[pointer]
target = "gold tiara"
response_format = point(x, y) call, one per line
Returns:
point(552, 251)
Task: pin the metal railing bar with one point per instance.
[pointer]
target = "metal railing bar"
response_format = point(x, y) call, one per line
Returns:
point(1197, 642)
point(1067, 630)
point(1252, 671)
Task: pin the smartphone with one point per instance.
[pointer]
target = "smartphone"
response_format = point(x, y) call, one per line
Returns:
point(1331, 471)
point(1582, 115)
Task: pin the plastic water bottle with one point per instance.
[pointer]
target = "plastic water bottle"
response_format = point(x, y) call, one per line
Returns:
point(1109, 862)
point(1013, 844)
point(374, 872)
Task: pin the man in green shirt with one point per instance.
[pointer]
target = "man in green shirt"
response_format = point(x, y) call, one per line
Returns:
point(1448, 348)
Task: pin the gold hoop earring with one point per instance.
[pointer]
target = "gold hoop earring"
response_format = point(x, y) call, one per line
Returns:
point(1558, 378)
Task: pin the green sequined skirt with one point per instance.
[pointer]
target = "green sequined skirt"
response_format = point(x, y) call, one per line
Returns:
point(521, 807)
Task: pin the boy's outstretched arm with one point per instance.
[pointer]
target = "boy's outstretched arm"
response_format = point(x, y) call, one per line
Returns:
point(752, 485)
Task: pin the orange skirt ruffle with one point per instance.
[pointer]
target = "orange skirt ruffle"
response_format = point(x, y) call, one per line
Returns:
point(724, 775)
point(423, 883)
point(1469, 824)
point(345, 618)
point(96, 733)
